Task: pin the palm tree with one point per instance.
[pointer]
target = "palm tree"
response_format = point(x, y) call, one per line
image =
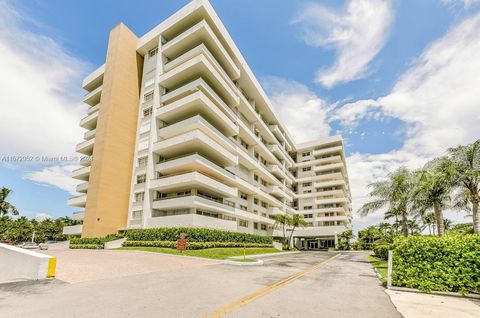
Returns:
point(395, 193)
point(5, 206)
point(282, 221)
point(296, 221)
point(428, 220)
point(466, 160)
point(433, 189)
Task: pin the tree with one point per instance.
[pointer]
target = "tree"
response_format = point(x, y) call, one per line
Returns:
point(296, 221)
point(395, 193)
point(5, 206)
point(344, 239)
point(433, 188)
point(368, 236)
point(466, 161)
point(282, 221)
point(428, 220)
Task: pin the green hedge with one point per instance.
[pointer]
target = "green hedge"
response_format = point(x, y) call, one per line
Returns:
point(94, 240)
point(381, 251)
point(450, 263)
point(87, 246)
point(191, 245)
point(195, 235)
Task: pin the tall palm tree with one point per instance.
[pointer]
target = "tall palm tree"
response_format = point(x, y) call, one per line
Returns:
point(296, 221)
point(433, 188)
point(428, 220)
point(283, 221)
point(466, 160)
point(5, 206)
point(395, 193)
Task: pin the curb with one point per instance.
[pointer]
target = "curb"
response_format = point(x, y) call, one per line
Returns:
point(264, 255)
point(438, 293)
point(258, 262)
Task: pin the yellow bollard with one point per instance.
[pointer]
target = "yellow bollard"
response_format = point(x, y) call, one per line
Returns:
point(52, 264)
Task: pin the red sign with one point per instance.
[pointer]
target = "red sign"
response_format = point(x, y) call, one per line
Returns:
point(182, 242)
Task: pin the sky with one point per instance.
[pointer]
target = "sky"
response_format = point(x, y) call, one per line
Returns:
point(400, 80)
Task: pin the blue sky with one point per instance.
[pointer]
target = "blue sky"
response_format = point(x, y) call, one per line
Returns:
point(394, 77)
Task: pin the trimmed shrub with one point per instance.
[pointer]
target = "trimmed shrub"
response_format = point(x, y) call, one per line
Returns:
point(195, 235)
point(450, 263)
point(94, 240)
point(191, 245)
point(87, 246)
point(381, 251)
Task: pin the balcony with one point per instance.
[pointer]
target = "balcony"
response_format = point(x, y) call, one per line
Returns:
point(93, 98)
point(78, 201)
point(278, 192)
point(325, 151)
point(72, 230)
point(78, 216)
point(200, 124)
point(197, 103)
point(198, 34)
point(329, 183)
point(82, 187)
point(327, 167)
point(199, 67)
point(195, 180)
point(195, 141)
point(90, 121)
point(86, 161)
point(195, 162)
point(94, 79)
point(192, 201)
point(326, 177)
point(85, 147)
point(331, 200)
point(321, 161)
point(316, 231)
point(198, 85)
point(81, 173)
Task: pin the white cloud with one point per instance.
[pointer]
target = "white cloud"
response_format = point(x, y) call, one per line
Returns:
point(301, 110)
point(57, 176)
point(40, 90)
point(466, 3)
point(438, 99)
point(357, 34)
point(41, 216)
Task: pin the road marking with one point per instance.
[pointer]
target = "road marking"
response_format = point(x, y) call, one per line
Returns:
point(264, 291)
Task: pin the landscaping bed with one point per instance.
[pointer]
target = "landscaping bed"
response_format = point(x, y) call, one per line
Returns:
point(92, 242)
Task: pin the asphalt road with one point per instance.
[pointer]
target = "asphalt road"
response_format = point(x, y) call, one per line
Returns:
point(293, 285)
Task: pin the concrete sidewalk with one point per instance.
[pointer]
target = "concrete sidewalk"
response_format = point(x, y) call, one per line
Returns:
point(413, 305)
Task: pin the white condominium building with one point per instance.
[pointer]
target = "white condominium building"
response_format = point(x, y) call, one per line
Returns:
point(182, 134)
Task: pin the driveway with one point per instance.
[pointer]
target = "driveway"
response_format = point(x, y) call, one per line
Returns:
point(309, 284)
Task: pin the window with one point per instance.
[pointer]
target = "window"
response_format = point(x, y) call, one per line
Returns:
point(153, 52)
point(308, 207)
point(308, 216)
point(307, 191)
point(255, 225)
point(242, 223)
point(147, 112)
point(264, 205)
point(255, 201)
point(139, 196)
point(243, 143)
point(264, 183)
point(255, 177)
point(307, 184)
point(137, 214)
point(142, 162)
point(306, 154)
point(263, 227)
point(243, 196)
point(242, 207)
point(307, 169)
point(141, 178)
point(148, 96)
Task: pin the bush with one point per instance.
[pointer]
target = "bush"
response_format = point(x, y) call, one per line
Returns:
point(195, 235)
point(381, 251)
point(87, 246)
point(94, 240)
point(191, 245)
point(450, 263)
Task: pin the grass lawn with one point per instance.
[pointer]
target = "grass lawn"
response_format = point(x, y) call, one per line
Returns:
point(215, 253)
point(381, 267)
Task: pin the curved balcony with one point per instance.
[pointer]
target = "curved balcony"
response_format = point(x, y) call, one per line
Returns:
point(86, 147)
point(81, 173)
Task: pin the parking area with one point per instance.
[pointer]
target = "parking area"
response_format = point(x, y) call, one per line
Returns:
point(141, 284)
